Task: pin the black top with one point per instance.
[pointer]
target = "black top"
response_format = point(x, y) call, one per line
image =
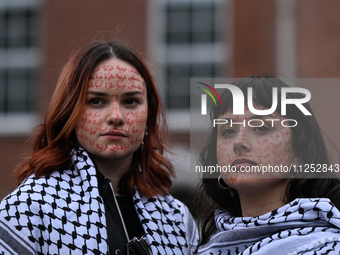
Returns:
point(116, 236)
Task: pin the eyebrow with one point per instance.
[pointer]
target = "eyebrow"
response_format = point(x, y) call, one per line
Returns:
point(103, 94)
point(252, 117)
point(95, 93)
point(132, 93)
point(261, 116)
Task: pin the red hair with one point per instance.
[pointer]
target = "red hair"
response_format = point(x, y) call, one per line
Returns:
point(54, 139)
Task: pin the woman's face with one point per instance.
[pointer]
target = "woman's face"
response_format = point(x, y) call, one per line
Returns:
point(114, 117)
point(256, 144)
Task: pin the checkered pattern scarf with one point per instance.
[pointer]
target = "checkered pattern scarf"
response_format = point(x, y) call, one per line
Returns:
point(304, 226)
point(63, 213)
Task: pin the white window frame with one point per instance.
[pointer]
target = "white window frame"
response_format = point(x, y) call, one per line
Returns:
point(198, 53)
point(19, 124)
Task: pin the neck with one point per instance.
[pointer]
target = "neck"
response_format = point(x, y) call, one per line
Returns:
point(113, 169)
point(259, 202)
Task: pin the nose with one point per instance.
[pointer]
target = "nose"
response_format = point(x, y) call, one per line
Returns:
point(241, 142)
point(115, 115)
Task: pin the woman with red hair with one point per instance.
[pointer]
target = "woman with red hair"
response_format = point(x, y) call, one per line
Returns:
point(96, 181)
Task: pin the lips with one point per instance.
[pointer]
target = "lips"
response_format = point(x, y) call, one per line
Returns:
point(114, 135)
point(243, 162)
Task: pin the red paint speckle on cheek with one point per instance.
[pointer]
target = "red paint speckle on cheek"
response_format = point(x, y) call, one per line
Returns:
point(274, 150)
point(224, 153)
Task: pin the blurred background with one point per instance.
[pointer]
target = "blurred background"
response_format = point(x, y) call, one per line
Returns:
point(179, 38)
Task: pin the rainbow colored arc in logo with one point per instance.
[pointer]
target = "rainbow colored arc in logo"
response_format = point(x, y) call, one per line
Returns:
point(208, 92)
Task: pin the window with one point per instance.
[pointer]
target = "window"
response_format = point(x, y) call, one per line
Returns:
point(19, 54)
point(193, 46)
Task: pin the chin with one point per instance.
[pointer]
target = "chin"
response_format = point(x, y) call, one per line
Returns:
point(250, 178)
point(115, 155)
point(247, 180)
point(243, 180)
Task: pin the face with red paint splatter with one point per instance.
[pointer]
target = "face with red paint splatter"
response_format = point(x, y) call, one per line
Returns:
point(114, 117)
point(255, 144)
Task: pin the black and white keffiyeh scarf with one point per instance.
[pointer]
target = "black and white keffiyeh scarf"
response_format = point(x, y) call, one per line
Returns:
point(64, 214)
point(304, 226)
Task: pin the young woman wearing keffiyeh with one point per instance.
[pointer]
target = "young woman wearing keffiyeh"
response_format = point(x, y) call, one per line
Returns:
point(96, 181)
point(277, 212)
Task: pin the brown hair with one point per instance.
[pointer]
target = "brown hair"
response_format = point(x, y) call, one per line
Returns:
point(54, 139)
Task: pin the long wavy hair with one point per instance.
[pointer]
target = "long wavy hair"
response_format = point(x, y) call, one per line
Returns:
point(54, 139)
point(308, 144)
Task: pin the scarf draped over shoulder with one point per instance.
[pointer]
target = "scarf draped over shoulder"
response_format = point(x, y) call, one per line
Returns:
point(304, 226)
point(63, 213)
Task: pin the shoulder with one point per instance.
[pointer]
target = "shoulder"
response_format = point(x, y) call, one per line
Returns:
point(169, 205)
point(36, 195)
point(172, 205)
point(182, 209)
point(169, 214)
point(46, 206)
point(330, 246)
point(19, 214)
point(34, 187)
point(175, 203)
point(326, 242)
point(189, 222)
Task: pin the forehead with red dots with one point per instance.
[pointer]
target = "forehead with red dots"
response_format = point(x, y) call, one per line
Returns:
point(116, 74)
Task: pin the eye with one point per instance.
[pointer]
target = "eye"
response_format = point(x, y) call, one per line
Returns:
point(229, 132)
point(96, 101)
point(261, 130)
point(131, 101)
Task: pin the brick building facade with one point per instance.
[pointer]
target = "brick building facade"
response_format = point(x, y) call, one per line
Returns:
point(282, 37)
